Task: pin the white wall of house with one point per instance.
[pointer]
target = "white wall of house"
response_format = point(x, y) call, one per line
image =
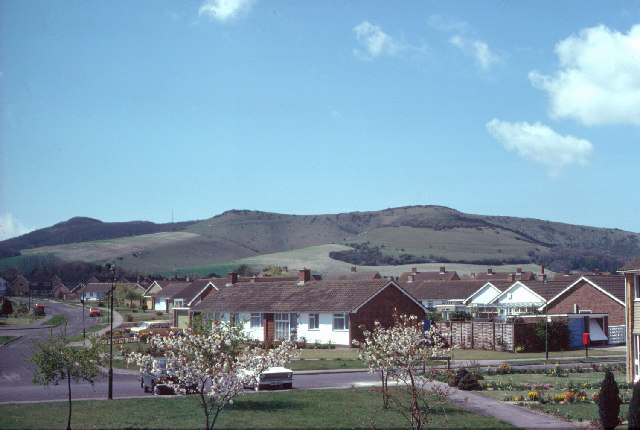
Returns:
point(325, 332)
point(160, 305)
point(485, 295)
point(518, 294)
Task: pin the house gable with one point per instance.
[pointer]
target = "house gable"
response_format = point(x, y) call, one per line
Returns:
point(517, 293)
point(484, 294)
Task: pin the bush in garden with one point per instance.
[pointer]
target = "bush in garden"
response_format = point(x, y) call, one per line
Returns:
point(464, 380)
point(609, 401)
point(634, 408)
point(128, 318)
point(7, 308)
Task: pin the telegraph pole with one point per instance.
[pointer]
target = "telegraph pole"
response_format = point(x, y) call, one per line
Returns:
point(111, 268)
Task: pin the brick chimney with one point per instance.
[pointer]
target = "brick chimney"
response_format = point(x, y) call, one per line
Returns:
point(442, 269)
point(304, 276)
point(542, 277)
point(519, 270)
point(410, 278)
point(353, 269)
point(489, 271)
point(232, 278)
point(253, 279)
point(511, 277)
point(566, 272)
point(285, 269)
point(596, 272)
point(414, 270)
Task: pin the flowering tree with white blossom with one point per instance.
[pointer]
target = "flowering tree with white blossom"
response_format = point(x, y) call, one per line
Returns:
point(399, 352)
point(215, 364)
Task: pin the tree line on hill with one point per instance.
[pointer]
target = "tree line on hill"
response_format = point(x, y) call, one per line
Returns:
point(556, 258)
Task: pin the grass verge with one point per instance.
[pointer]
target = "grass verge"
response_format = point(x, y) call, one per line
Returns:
point(57, 319)
point(350, 408)
point(474, 354)
point(93, 329)
point(5, 339)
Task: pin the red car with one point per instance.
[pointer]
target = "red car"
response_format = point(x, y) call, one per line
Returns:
point(94, 312)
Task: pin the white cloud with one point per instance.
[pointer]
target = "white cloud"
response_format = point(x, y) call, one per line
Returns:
point(599, 80)
point(11, 227)
point(477, 49)
point(540, 144)
point(225, 10)
point(375, 41)
point(440, 23)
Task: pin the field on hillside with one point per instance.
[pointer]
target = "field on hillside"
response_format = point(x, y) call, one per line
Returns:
point(454, 244)
point(317, 259)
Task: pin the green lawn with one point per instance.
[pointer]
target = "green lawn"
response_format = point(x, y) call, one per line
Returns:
point(5, 339)
point(93, 329)
point(22, 319)
point(351, 408)
point(57, 319)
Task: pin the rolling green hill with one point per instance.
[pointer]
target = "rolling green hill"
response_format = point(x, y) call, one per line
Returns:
point(426, 234)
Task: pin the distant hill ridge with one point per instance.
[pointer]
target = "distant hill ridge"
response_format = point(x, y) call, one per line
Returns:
point(84, 229)
point(410, 233)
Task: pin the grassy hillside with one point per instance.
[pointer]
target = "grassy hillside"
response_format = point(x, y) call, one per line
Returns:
point(316, 258)
point(434, 232)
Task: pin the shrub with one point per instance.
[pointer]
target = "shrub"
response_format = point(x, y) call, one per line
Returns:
point(634, 408)
point(159, 313)
point(464, 380)
point(609, 401)
point(128, 318)
point(7, 307)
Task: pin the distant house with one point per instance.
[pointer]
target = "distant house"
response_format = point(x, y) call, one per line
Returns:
point(163, 299)
point(440, 275)
point(59, 291)
point(318, 311)
point(518, 275)
point(20, 286)
point(352, 275)
point(188, 297)
point(445, 294)
point(4, 286)
point(95, 291)
point(631, 272)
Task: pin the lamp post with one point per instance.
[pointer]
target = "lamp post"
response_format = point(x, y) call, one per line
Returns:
point(546, 330)
point(83, 330)
point(111, 268)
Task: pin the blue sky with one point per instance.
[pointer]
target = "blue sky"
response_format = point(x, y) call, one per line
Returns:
point(127, 111)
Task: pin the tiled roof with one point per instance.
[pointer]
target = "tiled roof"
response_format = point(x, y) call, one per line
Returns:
point(97, 287)
point(170, 289)
point(318, 296)
point(190, 291)
point(352, 276)
point(613, 284)
point(633, 265)
point(429, 276)
point(503, 276)
point(451, 290)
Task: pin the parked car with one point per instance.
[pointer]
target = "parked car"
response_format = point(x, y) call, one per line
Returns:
point(162, 328)
point(94, 312)
point(280, 377)
point(155, 379)
point(38, 309)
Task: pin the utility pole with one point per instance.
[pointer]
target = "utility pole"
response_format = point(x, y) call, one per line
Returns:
point(111, 268)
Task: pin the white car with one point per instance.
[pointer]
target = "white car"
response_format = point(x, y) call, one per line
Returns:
point(280, 377)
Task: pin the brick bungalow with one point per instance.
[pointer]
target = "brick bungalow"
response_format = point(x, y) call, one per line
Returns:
point(318, 311)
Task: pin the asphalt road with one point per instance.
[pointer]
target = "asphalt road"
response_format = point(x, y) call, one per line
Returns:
point(15, 372)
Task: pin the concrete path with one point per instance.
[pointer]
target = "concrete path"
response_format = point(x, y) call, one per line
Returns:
point(516, 415)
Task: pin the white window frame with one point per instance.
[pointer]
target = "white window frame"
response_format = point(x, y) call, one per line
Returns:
point(340, 321)
point(314, 321)
point(255, 317)
point(282, 324)
point(636, 287)
point(234, 319)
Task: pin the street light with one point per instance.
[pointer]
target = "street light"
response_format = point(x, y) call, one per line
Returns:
point(83, 330)
point(111, 268)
